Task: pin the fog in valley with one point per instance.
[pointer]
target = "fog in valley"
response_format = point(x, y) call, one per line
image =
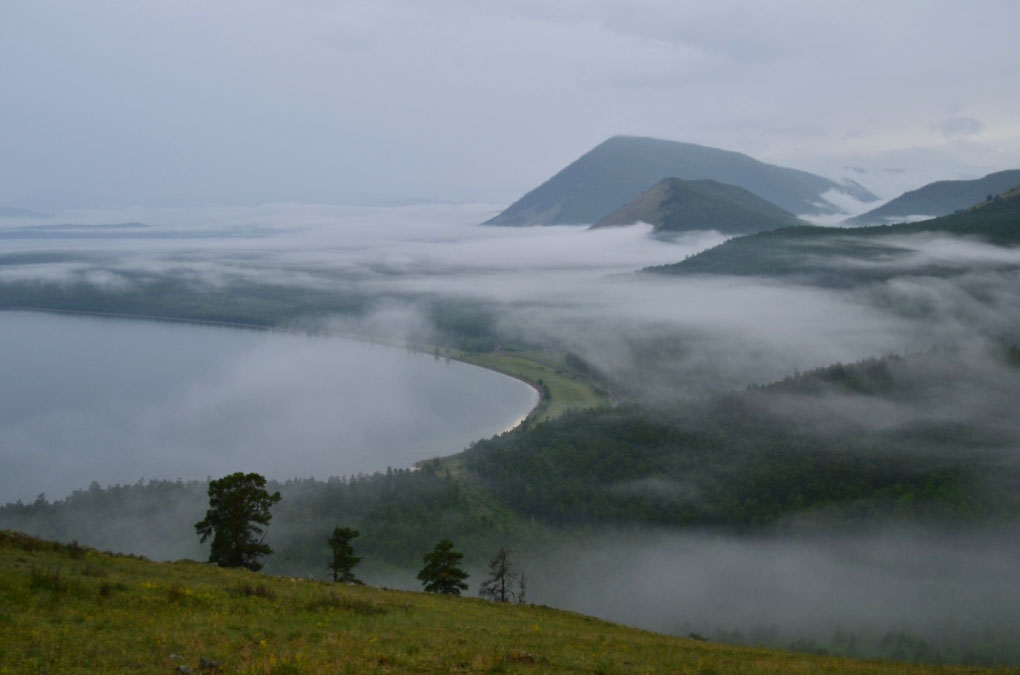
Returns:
point(565, 285)
point(920, 591)
point(272, 404)
point(251, 238)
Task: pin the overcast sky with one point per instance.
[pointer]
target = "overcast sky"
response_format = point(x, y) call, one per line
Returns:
point(187, 102)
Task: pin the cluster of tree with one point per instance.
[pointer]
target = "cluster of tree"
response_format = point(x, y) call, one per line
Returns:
point(623, 466)
point(239, 513)
point(254, 304)
point(759, 456)
point(743, 469)
point(725, 462)
point(399, 514)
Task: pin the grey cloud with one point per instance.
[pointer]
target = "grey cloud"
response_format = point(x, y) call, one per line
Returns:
point(952, 127)
point(388, 101)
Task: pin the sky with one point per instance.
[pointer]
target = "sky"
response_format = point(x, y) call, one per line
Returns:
point(185, 103)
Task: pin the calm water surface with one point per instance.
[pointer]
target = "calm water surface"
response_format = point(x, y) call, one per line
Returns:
point(114, 401)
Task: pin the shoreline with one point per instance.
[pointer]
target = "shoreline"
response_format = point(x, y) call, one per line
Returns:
point(541, 396)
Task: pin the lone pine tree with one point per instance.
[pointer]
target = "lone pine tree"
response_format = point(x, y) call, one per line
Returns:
point(236, 520)
point(343, 560)
point(442, 572)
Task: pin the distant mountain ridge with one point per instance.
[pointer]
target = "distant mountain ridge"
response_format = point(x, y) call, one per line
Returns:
point(621, 168)
point(675, 205)
point(821, 254)
point(939, 198)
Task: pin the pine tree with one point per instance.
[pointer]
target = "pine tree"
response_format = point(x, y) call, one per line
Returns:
point(344, 559)
point(238, 505)
point(502, 580)
point(442, 572)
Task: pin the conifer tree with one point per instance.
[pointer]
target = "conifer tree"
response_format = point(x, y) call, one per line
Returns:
point(236, 520)
point(343, 560)
point(442, 572)
point(503, 584)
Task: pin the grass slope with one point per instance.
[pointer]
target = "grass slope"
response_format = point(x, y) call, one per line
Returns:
point(940, 198)
point(674, 205)
point(561, 389)
point(74, 610)
point(812, 251)
point(619, 169)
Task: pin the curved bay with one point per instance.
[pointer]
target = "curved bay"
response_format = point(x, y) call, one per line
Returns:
point(116, 400)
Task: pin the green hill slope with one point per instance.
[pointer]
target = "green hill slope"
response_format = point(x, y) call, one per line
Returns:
point(822, 253)
point(939, 199)
point(64, 608)
point(674, 205)
point(618, 170)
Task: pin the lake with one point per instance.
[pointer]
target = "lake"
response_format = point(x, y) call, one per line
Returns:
point(115, 401)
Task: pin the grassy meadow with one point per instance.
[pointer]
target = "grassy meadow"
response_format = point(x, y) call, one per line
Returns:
point(69, 609)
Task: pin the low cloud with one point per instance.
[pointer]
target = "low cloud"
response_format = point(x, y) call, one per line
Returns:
point(848, 205)
point(956, 591)
point(571, 287)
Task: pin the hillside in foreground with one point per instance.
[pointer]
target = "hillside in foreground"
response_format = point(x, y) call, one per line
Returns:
point(66, 608)
point(674, 205)
point(621, 168)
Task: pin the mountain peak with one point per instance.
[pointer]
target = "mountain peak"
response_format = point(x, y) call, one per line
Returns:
point(622, 167)
point(679, 205)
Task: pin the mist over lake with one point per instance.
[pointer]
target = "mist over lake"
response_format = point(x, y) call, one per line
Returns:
point(114, 401)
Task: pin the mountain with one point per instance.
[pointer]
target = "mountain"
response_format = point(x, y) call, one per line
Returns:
point(675, 205)
point(845, 256)
point(621, 168)
point(939, 199)
point(1007, 195)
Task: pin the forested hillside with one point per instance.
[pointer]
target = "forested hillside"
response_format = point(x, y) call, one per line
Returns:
point(842, 256)
point(742, 460)
point(849, 447)
point(939, 198)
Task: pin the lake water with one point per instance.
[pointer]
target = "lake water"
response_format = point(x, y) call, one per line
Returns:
point(114, 401)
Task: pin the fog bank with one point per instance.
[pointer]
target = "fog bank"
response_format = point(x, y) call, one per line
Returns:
point(955, 590)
